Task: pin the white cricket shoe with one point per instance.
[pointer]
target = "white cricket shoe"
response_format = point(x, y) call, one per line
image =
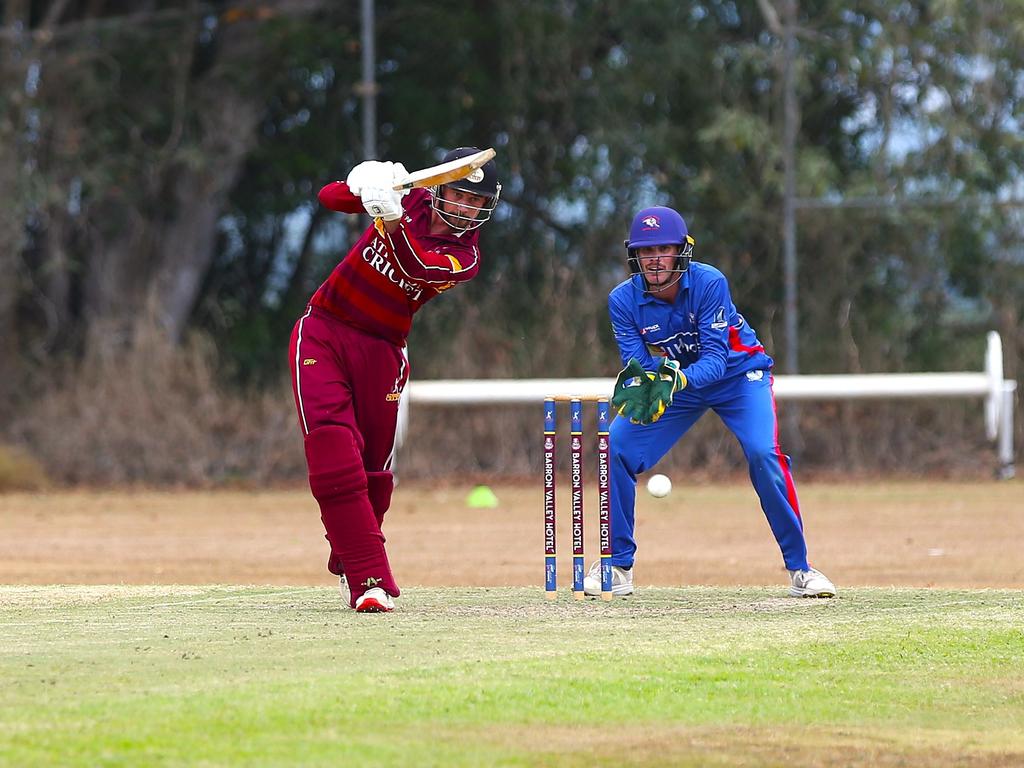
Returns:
point(622, 581)
point(375, 600)
point(810, 583)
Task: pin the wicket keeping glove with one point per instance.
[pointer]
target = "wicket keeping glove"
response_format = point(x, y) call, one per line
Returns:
point(668, 380)
point(382, 203)
point(632, 392)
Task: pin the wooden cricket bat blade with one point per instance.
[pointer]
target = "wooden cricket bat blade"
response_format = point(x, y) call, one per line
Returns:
point(446, 172)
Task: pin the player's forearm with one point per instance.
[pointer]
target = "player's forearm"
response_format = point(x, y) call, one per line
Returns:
point(432, 267)
point(337, 197)
point(708, 369)
point(627, 336)
point(634, 349)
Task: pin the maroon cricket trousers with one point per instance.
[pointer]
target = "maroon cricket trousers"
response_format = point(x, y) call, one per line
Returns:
point(347, 386)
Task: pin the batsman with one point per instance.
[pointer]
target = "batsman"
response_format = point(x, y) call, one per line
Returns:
point(347, 351)
point(686, 350)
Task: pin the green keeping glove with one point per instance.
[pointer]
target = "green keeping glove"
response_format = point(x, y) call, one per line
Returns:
point(669, 380)
point(632, 391)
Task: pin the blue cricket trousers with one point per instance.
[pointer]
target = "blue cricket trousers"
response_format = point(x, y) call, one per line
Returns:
point(746, 405)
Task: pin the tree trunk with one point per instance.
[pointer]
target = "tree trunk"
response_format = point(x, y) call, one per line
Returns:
point(154, 267)
point(188, 242)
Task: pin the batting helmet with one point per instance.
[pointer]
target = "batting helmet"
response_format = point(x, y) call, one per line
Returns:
point(659, 226)
point(483, 181)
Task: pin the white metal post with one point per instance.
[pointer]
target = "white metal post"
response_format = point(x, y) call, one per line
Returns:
point(1005, 446)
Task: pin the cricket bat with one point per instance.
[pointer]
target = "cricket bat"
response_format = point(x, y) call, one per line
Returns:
point(446, 172)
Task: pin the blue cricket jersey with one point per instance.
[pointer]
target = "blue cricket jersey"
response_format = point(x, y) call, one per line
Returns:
point(701, 328)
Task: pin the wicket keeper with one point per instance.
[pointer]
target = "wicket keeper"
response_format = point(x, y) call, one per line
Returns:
point(686, 349)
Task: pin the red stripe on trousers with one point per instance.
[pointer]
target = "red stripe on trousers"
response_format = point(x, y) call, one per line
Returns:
point(783, 464)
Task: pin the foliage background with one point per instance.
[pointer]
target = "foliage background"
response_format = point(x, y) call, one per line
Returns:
point(160, 163)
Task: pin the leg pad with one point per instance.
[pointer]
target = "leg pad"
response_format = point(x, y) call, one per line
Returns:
point(339, 484)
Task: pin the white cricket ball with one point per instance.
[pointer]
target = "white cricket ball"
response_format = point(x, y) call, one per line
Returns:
point(659, 486)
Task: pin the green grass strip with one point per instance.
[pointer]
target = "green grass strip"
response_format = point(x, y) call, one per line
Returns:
point(214, 676)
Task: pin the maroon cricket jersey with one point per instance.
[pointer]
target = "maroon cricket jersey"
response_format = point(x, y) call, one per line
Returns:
point(385, 278)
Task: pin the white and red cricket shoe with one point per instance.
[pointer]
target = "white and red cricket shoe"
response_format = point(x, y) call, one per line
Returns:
point(375, 600)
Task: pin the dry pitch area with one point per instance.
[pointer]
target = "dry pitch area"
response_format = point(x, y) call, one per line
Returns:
point(928, 534)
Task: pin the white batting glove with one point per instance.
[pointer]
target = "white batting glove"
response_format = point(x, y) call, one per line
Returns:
point(382, 203)
point(371, 173)
point(398, 175)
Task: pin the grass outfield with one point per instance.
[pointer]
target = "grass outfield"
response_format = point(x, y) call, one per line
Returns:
point(259, 676)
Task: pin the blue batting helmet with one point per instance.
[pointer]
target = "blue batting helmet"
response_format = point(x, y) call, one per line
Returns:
point(659, 225)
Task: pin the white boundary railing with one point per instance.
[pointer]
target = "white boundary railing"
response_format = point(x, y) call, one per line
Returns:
point(989, 385)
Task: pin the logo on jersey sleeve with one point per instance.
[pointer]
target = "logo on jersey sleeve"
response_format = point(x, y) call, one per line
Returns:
point(718, 322)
